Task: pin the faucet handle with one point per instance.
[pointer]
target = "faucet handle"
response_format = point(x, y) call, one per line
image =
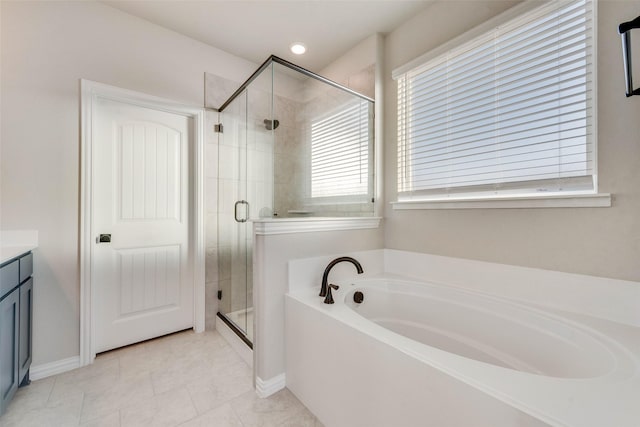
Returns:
point(329, 298)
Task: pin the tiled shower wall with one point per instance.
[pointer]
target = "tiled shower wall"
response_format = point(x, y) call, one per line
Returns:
point(292, 146)
point(289, 159)
point(211, 220)
point(217, 90)
point(363, 82)
point(259, 176)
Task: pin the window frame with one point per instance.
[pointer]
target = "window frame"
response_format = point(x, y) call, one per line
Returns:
point(483, 197)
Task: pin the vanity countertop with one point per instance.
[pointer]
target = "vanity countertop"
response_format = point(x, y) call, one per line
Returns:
point(7, 253)
point(14, 243)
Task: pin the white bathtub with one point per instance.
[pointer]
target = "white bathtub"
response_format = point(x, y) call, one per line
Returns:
point(419, 354)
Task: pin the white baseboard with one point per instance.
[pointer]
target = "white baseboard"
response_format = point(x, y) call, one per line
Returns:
point(270, 386)
point(38, 372)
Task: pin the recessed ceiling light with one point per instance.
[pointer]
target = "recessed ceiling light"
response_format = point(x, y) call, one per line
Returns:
point(298, 48)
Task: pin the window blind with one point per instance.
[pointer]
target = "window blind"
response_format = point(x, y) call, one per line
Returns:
point(340, 144)
point(510, 111)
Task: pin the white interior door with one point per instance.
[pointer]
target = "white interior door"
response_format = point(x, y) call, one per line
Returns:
point(143, 284)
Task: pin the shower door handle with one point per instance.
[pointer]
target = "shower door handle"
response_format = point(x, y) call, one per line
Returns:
point(235, 211)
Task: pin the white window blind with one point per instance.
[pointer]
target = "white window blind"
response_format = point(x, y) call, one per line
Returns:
point(509, 111)
point(340, 144)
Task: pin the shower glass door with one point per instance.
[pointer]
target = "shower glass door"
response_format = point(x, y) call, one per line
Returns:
point(245, 193)
point(233, 220)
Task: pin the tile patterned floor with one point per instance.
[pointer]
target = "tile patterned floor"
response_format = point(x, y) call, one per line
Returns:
point(184, 379)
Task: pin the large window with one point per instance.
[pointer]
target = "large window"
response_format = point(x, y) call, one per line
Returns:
point(506, 111)
point(340, 154)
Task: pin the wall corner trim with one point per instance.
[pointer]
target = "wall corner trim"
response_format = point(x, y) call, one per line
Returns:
point(267, 388)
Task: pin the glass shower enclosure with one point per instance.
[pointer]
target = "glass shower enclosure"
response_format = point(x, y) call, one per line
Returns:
point(292, 144)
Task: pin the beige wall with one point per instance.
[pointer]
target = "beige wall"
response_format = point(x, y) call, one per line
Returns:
point(46, 48)
point(354, 68)
point(595, 241)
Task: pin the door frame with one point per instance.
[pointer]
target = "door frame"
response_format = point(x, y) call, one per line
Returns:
point(89, 92)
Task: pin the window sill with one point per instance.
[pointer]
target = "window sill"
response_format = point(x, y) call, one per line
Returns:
point(601, 200)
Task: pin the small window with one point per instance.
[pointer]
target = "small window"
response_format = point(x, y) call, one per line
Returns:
point(340, 154)
point(507, 112)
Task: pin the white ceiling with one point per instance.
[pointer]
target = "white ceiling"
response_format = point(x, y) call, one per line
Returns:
point(256, 29)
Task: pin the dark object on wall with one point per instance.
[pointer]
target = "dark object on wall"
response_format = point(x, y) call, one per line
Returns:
point(625, 32)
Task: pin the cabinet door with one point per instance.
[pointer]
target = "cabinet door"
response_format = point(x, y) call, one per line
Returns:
point(9, 310)
point(26, 317)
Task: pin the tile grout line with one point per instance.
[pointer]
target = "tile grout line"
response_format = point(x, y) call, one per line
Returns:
point(186, 387)
point(81, 408)
point(234, 409)
point(55, 381)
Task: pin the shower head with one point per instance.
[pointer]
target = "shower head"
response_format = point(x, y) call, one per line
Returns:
point(271, 124)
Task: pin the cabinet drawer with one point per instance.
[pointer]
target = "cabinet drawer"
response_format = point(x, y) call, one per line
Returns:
point(26, 267)
point(9, 277)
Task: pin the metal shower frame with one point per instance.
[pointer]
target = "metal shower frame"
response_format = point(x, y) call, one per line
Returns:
point(294, 67)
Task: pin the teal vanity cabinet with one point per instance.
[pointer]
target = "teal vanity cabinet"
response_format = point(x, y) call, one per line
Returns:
point(16, 315)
